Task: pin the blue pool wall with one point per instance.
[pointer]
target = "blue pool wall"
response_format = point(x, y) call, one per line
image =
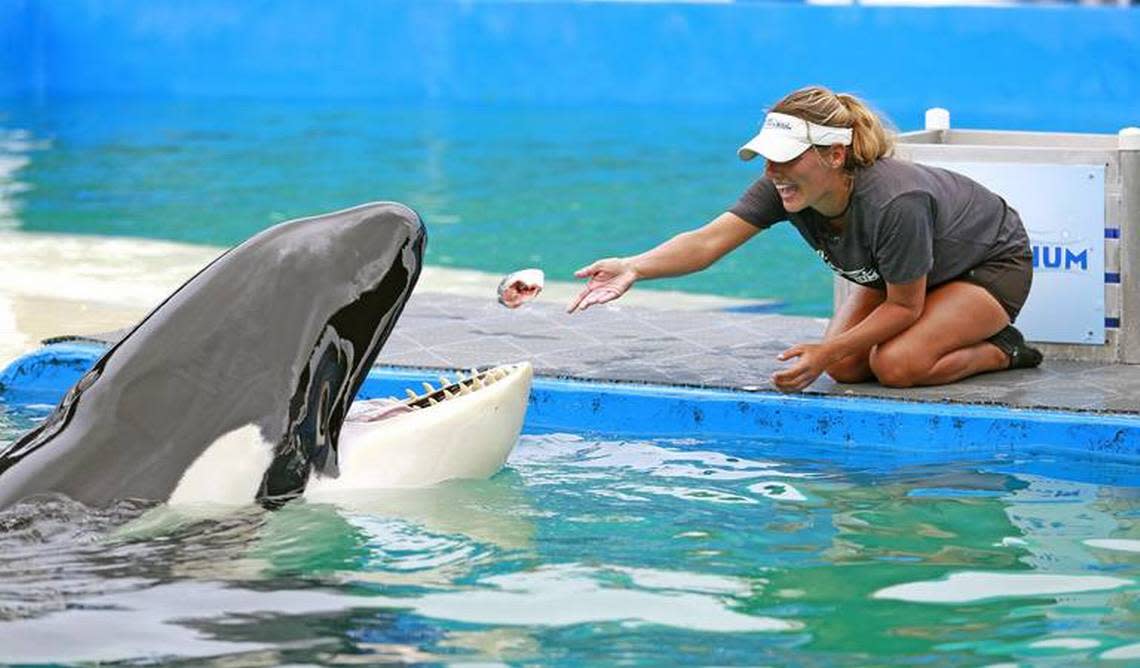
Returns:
point(871, 434)
point(1060, 67)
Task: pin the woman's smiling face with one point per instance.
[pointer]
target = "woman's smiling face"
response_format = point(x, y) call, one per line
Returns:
point(805, 180)
point(815, 179)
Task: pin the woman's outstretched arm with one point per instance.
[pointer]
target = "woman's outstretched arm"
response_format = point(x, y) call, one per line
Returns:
point(685, 253)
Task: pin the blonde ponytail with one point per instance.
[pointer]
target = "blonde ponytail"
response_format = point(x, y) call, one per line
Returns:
point(872, 137)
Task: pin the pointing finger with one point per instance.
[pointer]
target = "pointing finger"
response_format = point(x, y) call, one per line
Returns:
point(577, 301)
point(794, 351)
point(588, 270)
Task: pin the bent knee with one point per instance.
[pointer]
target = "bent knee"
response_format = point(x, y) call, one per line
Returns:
point(896, 367)
point(850, 370)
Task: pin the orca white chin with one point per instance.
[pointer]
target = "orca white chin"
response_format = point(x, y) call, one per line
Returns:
point(464, 429)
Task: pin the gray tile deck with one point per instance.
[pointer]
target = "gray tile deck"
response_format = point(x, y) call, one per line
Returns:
point(703, 348)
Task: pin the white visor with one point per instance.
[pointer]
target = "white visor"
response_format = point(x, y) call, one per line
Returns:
point(783, 137)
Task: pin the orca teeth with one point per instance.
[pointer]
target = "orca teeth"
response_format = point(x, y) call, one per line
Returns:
point(450, 390)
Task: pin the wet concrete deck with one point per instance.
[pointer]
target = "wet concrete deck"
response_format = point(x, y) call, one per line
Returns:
point(706, 348)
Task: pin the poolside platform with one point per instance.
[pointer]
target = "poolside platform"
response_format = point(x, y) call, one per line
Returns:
point(705, 348)
point(711, 348)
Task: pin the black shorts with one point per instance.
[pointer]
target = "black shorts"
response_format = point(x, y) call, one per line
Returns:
point(1006, 278)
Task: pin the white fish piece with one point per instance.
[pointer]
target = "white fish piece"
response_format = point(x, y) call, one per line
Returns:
point(519, 287)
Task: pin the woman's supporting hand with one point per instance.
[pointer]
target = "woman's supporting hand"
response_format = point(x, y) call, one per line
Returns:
point(814, 359)
point(608, 279)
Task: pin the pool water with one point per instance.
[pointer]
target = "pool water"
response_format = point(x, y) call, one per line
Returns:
point(500, 188)
point(588, 549)
point(593, 550)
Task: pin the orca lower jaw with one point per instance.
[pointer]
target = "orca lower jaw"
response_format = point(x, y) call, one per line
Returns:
point(463, 429)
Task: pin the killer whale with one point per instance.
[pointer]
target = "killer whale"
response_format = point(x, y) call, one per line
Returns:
point(263, 349)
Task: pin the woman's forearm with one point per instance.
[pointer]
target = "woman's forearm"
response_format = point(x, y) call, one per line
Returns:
point(888, 320)
point(683, 254)
point(693, 250)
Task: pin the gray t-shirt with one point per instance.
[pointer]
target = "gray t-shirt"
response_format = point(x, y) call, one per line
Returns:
point(905, 220)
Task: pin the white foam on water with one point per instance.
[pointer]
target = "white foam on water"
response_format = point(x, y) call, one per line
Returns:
point(570, 594)
point(21, 141)
point(1118, 544)
point(14, 145)
point(707, 473)
point(1122, 653)
point(150, 623)
point(398, 545)
point(620, 496)
point(654, 578)
point(159, 621)
point(695, 494)
point(9, 165)
point(662, 462)
point(970, 586)
point(1065, 643)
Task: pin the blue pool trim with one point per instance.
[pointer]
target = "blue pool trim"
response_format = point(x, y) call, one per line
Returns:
point(42, 376)
point(630, 410)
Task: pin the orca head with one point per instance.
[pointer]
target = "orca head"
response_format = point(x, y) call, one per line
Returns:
point(235, 388)
point(382, 249)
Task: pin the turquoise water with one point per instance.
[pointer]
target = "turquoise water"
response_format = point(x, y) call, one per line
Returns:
point(500, 188)
point(590, 550)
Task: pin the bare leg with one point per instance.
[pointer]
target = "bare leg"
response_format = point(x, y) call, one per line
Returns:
point(857, 306)
point(947, 343)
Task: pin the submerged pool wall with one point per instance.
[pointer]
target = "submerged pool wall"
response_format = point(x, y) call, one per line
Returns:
point(17, 52)
point(1072, 68)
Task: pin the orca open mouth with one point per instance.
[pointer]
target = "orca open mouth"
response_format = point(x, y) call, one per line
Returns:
point(465, 427)
point(373, 410)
